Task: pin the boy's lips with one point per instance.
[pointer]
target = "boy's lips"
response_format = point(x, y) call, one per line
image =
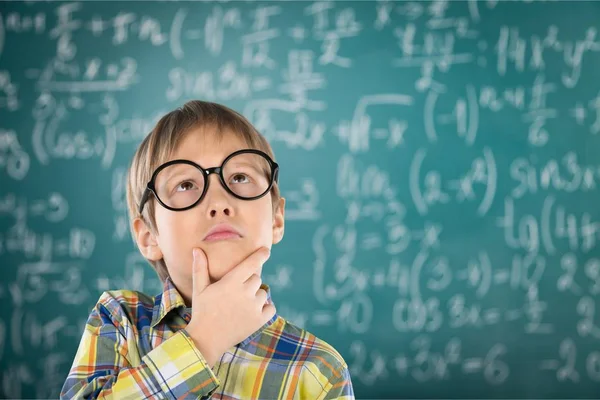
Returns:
point(222, 231)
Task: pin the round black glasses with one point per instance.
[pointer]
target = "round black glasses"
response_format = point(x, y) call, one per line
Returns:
point(179, 185)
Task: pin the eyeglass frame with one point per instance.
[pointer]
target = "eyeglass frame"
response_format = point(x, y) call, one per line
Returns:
point(151, 189)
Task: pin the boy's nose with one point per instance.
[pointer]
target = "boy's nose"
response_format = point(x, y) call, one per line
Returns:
point(214, 211)
point(218, 199)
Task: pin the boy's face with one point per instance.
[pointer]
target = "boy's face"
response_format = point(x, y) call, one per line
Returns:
point(180, 231)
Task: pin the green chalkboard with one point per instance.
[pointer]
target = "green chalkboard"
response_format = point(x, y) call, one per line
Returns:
point(441, 164)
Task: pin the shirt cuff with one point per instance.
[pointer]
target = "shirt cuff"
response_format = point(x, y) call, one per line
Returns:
point(180, 369)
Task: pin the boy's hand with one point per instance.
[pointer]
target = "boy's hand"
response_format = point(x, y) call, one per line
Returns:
point(226, 312)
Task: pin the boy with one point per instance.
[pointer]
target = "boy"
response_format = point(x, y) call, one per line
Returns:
point(213, 332)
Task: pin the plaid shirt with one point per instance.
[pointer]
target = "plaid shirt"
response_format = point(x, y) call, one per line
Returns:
point(135, 346)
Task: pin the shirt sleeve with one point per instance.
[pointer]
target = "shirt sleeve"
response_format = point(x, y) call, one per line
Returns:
point(107, 364)
point(341, 388)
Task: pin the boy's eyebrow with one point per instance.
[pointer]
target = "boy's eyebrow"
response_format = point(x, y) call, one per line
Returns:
point(254, 166)
point(240, 162)
point(175, 172)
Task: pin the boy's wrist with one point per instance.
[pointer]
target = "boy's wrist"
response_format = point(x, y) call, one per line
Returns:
point(207, 348)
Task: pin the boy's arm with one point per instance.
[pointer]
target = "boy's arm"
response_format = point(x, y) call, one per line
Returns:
point(102, 367)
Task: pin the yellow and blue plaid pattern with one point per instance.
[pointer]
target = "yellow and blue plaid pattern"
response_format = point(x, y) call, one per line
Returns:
point(135, 346)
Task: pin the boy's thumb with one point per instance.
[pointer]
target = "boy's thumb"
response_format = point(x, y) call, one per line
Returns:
point(200, 278)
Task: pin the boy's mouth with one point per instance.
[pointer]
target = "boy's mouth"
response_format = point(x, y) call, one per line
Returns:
point(222, 231)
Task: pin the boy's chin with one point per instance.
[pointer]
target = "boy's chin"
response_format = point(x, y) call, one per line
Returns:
point(225, 257)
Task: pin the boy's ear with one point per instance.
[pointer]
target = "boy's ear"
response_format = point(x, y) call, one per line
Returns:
point(279, 221)
point(146, 240)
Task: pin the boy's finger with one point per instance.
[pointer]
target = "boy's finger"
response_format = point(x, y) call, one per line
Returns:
point(200, 278)
point(250, 265)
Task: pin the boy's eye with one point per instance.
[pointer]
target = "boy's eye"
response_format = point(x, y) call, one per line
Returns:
point(240, 178)
point(184, 186)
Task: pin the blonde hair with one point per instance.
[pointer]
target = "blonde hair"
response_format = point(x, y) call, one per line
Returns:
point(158, 147)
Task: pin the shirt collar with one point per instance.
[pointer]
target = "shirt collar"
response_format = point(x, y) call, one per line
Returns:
point(171, 300)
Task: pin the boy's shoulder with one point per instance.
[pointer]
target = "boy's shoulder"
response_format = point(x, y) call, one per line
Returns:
point(315, 353)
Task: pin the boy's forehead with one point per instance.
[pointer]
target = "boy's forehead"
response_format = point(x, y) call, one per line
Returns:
point(208, 147)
